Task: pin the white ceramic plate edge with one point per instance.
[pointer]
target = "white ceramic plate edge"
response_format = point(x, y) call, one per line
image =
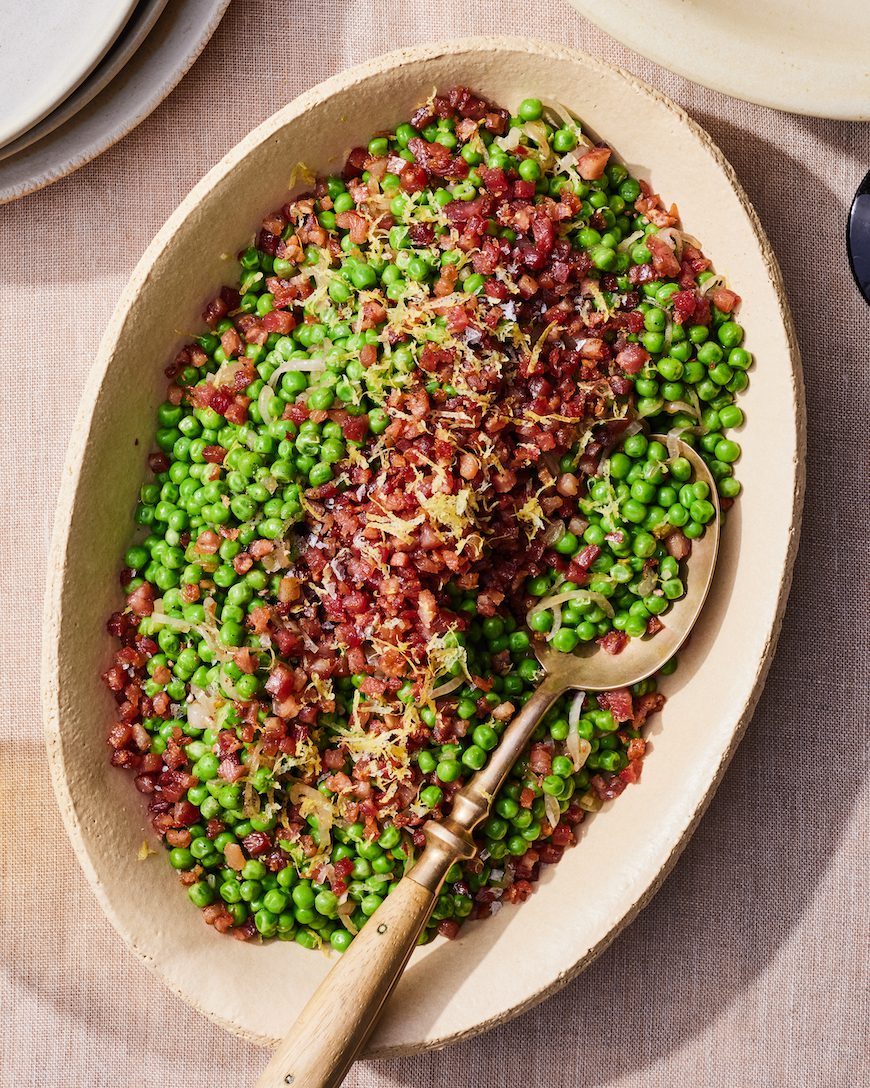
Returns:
point(56, 94)
point(122, 50)
point(624, 20)
point(65, 162)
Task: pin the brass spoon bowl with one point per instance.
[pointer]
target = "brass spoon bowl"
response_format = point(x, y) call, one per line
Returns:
point(335, 1024)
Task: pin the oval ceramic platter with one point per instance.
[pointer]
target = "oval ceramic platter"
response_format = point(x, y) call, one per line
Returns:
point(501, 966)
point(794, 55)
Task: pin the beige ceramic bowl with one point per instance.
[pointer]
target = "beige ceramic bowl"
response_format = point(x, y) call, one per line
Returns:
point(505, 964)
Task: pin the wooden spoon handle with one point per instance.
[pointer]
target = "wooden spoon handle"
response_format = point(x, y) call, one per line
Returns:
point(334, 1025)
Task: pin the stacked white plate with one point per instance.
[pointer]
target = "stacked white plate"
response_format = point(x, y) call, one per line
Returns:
point(76, 77)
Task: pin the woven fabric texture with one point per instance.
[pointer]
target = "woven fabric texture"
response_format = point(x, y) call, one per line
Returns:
point(750, 968)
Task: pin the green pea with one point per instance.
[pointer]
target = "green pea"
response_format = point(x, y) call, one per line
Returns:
point(431, 796)
point(320, 473)
point(530, 109)
point(677, 515)
point(729, 488)
point(672, 588)
point(340, 940)
point(671, 369)
point(702, 511)
point(303, 895)
point(541, 621)
point(507, 807)
point(206, 767)
point(474, 757)
point(275, 901)
point(562, 766)
point(731, 416)
point(320, 399)
point(426, 761)
point(634, 511)
point(635, 626)
point(495, 828)
point(369, 904)
point(739, 359)
point(265, 921)
point(448, 770)
point(655, 320)
point(565, 640)
point(629, 190)
point(230, 891)
point(528, 669)
point(485, 737)
point(726, 450)
point(603, 257)
point(567, 544)
point(518, 641)
point(644, 545)
point(553, 784)
point(730, 334)
point(472, 157)
point(517, 845)
point(201, 894)
point(181, 858)
point(363, 276)
point(709, 353)
point(721, 374)
point(564, 140)
point(136, 557)
point(232, 634)
point(681, 469)
point(642, 491)
point(326, 903)
point(655, 605)
point(738, 383)
point(404, 134)
point(250, 890)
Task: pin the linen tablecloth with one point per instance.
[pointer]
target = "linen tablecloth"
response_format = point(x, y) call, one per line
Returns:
point(750, 968)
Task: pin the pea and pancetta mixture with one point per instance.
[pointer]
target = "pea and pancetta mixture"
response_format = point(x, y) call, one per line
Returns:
point(411, 442)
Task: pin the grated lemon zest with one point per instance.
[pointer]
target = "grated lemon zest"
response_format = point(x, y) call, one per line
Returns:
point(145, 851)
point(301, 173)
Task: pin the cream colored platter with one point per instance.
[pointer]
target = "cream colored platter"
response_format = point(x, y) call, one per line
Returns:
point(794, 55)
point(505, 964)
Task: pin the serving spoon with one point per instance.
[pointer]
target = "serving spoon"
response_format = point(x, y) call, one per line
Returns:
point(335, 1024)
